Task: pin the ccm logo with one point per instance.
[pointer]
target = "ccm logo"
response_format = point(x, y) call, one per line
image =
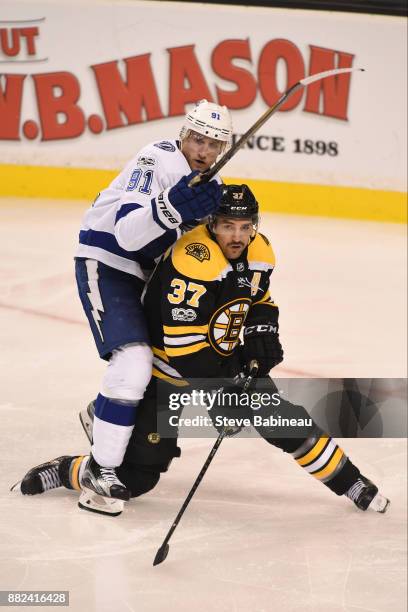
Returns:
point(260, 329)
point(164, 209)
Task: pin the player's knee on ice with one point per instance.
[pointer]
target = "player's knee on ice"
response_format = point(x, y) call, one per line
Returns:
point(147, 456)
point(154, 459)
point(128, 373)
point(138, 479)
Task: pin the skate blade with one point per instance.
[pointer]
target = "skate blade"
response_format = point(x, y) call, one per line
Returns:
point(16, 487)
point(87, 424)
point(379, 503)
point(91, 501)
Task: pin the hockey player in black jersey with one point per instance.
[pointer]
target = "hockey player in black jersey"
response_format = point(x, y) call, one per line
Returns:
point(211, 285)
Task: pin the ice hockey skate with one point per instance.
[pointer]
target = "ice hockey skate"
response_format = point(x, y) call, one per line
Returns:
point(103, 481)
point(366, 496)
point(91, 501)
point(46, 476)
point(87, 418)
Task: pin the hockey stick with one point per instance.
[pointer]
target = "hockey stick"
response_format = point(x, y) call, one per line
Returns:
point(207, 176)
point(164, 548)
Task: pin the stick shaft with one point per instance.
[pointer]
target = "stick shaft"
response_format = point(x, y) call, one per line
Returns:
point(253, 367)
point(194, 487)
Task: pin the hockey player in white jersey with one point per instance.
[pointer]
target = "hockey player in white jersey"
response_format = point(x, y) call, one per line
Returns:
point(131, 223)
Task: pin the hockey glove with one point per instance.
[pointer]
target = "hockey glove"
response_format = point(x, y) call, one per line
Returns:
point(231, 408)
point(194, 202)
point(261, 342)
point(225, 415)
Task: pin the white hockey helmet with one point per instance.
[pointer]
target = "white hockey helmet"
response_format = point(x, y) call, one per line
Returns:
point(209, 119)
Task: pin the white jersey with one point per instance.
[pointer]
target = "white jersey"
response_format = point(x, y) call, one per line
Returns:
point(128, 227)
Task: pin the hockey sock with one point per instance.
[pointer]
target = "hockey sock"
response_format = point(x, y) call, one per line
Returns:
point(326, 461)
point(113, 425)
point(71, 473)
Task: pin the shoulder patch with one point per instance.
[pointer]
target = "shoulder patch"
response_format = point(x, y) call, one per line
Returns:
point(198, 250)
point(165, 145)
point(144, 160)
point(197, 256)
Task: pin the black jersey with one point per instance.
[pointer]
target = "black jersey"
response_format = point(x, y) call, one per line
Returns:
point(197, 303)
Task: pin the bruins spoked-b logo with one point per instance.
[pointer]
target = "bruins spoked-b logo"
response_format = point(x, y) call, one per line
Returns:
point(198, 251)
point(226, 324)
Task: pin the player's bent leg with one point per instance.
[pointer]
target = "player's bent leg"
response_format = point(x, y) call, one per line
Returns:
point(137, 478)
point(112, 303)
point(140, 479)
point(147, 455)
point(123, 387)
point(321, 456)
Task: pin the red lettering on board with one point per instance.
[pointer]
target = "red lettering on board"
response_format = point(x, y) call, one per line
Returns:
point(187, 81)
point(222, 64)
point(10, 106)
point(131, 97)
point(10, 41)
point(124, 101)
point(30, 34)
point(273, 51)
point(57, 97)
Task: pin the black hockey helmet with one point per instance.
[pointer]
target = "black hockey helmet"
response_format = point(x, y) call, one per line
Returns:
point(237, 201)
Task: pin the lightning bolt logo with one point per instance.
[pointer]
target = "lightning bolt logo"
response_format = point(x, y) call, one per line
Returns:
point(94, 294)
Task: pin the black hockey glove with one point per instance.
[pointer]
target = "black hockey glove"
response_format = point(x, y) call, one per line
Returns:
point(194, 202)
point(231, 409)
point(226, 413)
point(261, 342)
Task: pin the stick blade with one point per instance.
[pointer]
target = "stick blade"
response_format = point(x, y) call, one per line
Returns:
point(328, 73)
point(161, 554)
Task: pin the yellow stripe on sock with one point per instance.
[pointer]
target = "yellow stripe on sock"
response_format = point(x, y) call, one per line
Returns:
point(314, 452)
point(75, 472)
point(331, 466)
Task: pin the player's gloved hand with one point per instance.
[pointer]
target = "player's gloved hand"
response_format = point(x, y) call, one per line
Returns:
point(261, 342)
point(194, 202)
point(226, 416)
point(231, 409)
